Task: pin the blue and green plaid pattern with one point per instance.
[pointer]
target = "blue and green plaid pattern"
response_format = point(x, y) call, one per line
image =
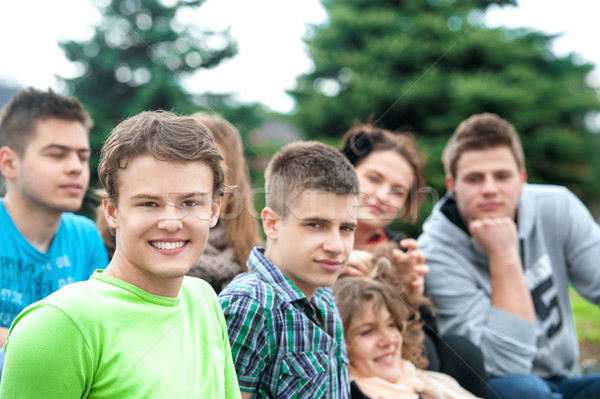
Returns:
point(280, 348)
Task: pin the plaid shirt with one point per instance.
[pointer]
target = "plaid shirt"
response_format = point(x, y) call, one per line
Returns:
point(280, 349)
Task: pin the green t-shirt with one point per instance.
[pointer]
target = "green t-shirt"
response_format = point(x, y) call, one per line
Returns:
point(105, 338)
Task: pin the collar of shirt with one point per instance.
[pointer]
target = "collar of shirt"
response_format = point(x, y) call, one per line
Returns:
point(269, 272)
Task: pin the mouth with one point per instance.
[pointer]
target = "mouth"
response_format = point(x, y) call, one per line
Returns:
point(375, 209)
point(168, 245)
point(489, 206)
point(387, 359)
point(72, 188)
point(329, 265)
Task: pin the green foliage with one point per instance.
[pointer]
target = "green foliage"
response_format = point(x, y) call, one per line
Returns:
point(428, 65)
point(136, 60)
point(587, 318)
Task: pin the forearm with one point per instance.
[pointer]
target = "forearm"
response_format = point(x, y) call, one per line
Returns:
point(462, 299)
point(509, 288)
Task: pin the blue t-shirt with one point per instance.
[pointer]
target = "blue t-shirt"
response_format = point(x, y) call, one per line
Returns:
point(27, 275)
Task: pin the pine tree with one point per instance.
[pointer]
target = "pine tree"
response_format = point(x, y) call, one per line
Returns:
point(137, 60)
point(427, 65)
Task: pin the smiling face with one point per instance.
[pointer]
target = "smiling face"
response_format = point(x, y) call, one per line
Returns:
point(312, 243)
point(162, 221)
point(385, 179)
point(375, 343)
point(488, 183)
point(53, 173)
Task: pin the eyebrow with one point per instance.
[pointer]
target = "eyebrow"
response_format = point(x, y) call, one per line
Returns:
point(181, 195)
point(363, 325)
point(66, 148)
point(329, 221)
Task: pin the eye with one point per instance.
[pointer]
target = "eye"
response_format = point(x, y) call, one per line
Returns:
point(84, 157)
point(314, 225)
point(364, 333)
point(148, 204)
point(397, 191)
point(473, 179)
point(348, 229)
point(373, 179)
point(57, 155)
point(190, 203)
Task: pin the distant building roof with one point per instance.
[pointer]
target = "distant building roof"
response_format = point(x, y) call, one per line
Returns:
point(276, 131)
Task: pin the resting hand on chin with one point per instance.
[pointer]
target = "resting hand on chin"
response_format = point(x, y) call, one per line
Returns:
point(495, 235)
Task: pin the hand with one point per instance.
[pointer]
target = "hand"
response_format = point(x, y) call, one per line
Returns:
point(412, 262)
point(359, 263)
point(496, 236)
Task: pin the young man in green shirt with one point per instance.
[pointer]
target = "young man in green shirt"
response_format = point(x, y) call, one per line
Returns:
point(139, 328)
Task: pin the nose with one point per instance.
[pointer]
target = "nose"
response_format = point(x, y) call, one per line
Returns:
point(388, 338)
point(334, 244)
point(381, 192)
point(489, 185)
point(74, 163)
point(171, 219)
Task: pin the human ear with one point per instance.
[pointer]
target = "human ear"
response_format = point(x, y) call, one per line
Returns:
point(450, 185)
point(8, 162)
point(523, 174)
point(110, 212)
point(270, 223)
point(215, 212)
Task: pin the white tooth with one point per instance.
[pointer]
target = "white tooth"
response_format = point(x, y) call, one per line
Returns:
point(168, 245)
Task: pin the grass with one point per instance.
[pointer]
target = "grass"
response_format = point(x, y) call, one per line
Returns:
point(587, 318)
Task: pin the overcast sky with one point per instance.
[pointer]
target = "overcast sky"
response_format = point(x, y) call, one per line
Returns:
point(271, 53)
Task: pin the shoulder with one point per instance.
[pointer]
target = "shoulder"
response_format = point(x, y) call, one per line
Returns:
point(72, 224)
point(80, 296)
point(196, 287)
point(249, 287)
point(325, 294)
point(78, 302)
point(544, 192)
point(548, 202)
point(441, 232)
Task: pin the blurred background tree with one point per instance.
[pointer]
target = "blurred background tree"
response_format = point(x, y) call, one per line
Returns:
point(424, 66)
point(138, 59)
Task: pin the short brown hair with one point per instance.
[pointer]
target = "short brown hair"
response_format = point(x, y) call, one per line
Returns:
point(306, 165)
point(166, 137)
point(481, 132)
point(27, 107)
point(360, 141)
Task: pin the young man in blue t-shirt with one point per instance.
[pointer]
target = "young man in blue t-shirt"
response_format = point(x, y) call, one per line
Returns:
point(44, 153)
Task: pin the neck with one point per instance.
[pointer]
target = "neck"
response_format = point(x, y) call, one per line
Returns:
point(120, 268)
point(37, 225)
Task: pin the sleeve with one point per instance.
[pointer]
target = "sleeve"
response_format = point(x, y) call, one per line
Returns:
point(582, 248)
point(46, 357)
point(248, 326)
point(463, 307)
point(232, 388)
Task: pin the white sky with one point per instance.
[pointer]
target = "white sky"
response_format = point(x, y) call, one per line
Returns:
point(271, 53)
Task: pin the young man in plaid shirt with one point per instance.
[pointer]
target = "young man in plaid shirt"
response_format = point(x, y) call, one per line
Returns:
point(284, 327)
